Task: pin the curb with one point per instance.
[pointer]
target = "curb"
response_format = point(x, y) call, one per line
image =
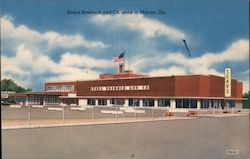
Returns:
point(92, 124)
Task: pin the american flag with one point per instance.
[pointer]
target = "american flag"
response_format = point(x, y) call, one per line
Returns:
point(120, 57)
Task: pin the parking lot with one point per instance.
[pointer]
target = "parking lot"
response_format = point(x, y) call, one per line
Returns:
point(206, 138)
point(17, 115)
point(70, 113)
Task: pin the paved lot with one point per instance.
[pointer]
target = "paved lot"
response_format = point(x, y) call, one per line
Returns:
point(43, 113)
point(202, 138)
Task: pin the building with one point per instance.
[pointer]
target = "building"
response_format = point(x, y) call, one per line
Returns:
point(129, 89)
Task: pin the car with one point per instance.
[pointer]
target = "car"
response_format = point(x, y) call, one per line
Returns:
point(4, 103)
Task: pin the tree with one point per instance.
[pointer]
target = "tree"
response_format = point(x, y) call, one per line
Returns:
point(246, 103)
point(10, 85)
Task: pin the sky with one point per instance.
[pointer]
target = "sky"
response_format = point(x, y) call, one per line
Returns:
point(42, 40)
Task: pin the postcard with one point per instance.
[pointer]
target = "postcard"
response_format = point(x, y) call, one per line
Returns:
point(121, 79)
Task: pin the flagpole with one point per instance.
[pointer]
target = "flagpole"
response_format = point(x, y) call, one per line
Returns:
point(128, 60)
point(123, 64)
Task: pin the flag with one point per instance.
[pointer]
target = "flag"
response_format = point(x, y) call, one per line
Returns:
point(120, 57)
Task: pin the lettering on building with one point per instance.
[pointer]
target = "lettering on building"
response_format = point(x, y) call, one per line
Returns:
point(120, 88)
point(227, 82)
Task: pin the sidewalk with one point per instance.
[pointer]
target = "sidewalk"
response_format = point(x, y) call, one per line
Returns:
point(15, 124)
point(223, 115)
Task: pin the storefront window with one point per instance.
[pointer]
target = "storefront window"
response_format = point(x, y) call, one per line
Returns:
point(118, 102)
point(178, 103)
point(91, 101)
point(102, 101)
point(231, 104)
point(51, 100)
point(33, 99)
point(148, 102)
point(134, 102)
point(163, 103)
point(217, 103)
point(185, 103)
point(193, 103)
point(20, 99)
point(204, 104)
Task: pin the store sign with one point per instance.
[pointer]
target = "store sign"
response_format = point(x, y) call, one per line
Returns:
point(227, 82)
point(4, 95)
point(120, 88)
point(71, 95)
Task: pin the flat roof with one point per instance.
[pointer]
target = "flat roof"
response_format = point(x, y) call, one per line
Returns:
point(152, 97)
point(128, 78)
point(44, 93)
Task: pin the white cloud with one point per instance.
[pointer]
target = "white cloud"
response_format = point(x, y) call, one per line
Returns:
point(148, 27)
point(72, 59)
point(172, 71)
point(245, 86)
point(237, 51)
point(28, 63)
point(22, 33)
point(68, 41)
point(73, 74)
point(205, 64)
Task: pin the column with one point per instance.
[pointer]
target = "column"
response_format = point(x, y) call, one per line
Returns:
point(108, 102)
point(44, 103)
point(96, 102)
point(198, 104)
point(140, 103)
point(82, 102)
point(126, 103)
point(172, 104)
point(26, 102)
point(155, 102)
point(210, 104)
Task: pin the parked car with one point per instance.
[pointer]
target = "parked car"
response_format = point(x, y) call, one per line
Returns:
point(4, 103)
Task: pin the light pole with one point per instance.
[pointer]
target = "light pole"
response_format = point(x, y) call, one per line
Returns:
point(93, 112)
point(116, 107)
point(63, 115)
point(135, 110)
point(29, 115)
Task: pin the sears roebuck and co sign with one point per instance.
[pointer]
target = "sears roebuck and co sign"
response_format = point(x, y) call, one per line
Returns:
point(120, 88)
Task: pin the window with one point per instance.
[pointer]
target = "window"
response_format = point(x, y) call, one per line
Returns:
point(59, 88)
point(50, 88)
point(134, 102)
point(222, 103)
point(33, 99)
point(51, 100)
point(204, 104)
point(119, 102)
point(148, 102)
point(179, 103)
point(20, 99)
point(69, 88)
point(91, 101)
point(163, 102)
point(185, 103)
point(193, 103)
point(217, 103)
point(102, 102)
point(212, 103)
point(231, 104)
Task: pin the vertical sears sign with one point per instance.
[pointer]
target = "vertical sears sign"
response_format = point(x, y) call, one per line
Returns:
point(228, 82)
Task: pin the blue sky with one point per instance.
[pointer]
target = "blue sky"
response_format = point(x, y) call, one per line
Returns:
point(40, 42)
